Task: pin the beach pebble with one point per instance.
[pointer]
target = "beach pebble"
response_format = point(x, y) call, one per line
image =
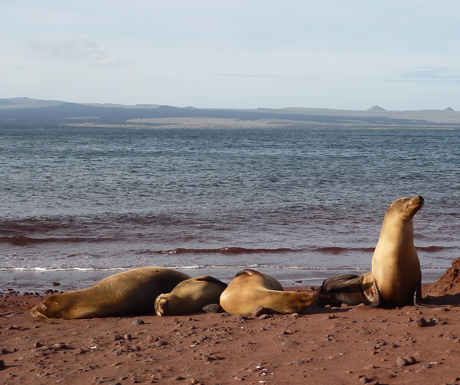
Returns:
point(402, 361)
point(258, 311)
point(213, 308)
point(59, 346)
point(297, 362)
point(421, 322)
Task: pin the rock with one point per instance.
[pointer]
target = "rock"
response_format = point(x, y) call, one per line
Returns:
point(138, 321)
point(297, 362)
point(449, 283)
point(59, 346)
point(402, 361)
point(421, 322)
point(258, 311)
point(213, 308)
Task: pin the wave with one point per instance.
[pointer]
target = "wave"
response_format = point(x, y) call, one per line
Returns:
point(244, 250)
point(198, 267)
point(182, 267)
point(20, 240)
point(434, 249)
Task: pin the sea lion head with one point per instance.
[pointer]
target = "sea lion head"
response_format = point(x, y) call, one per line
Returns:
point(163, 304)
point(50, 307)
point(301, 301)
point(405, 208)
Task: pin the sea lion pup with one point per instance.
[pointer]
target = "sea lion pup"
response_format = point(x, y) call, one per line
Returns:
point(131, 292)
point(190, 296)
point(396, 275)
point(250, 289)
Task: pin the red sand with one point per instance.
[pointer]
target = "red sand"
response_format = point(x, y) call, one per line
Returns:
point(353, 345)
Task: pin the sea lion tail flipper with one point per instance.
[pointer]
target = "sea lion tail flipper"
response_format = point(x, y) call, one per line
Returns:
point(340, 282)
point(346, 288)
point(372, 295)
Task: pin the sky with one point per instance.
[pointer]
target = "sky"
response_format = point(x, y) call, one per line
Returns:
point(397, 54)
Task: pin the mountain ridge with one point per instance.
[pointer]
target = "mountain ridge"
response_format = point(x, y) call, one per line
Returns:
point(27, 112)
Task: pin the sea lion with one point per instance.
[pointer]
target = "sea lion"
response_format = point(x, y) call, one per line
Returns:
point(396, 276)
point(132, 292)
point(250, 289)
point(190, 296)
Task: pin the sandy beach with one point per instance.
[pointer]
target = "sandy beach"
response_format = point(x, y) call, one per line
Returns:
point(348, 345)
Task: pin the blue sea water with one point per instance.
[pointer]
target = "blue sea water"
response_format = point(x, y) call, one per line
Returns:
point(300, 204)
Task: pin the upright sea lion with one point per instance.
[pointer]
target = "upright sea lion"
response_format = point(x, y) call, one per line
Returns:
point(396, 275)
point(250, 289)
point(190, 296)
point(132, 292)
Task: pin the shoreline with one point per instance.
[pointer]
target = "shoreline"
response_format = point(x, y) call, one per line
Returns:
point(35, 281)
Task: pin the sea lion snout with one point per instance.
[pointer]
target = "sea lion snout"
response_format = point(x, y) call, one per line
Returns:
point(418, 200)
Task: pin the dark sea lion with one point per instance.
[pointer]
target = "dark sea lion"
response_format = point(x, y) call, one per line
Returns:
point(132, 292)
point(396, 275)
point(190, 296)
point(250, 289)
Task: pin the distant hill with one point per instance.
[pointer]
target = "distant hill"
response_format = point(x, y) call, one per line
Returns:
point(26, 112)
point(376, 108)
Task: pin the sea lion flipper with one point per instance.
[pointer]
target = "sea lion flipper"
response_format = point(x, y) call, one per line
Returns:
point(340, 282)
point(418, 300)
point(350, 289)
point(372, 295)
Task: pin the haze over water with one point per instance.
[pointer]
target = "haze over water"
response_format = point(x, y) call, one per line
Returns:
point(301, 204)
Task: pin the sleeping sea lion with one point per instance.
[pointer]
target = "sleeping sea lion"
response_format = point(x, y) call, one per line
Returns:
point(132, 292)
point(250, 289)
point(190, 296)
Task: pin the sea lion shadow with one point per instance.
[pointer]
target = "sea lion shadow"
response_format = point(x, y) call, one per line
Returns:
point(444, 300)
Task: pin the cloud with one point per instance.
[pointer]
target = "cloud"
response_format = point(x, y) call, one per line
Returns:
point(75, 50)
point(430, 75)
point(249, 76)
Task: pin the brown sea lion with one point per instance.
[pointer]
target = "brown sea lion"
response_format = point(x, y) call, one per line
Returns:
point(190, 296)
point(250, 289)
point(396, 275)
point(132, 292)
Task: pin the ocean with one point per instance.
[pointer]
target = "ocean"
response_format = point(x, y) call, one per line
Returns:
point(80, 204)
